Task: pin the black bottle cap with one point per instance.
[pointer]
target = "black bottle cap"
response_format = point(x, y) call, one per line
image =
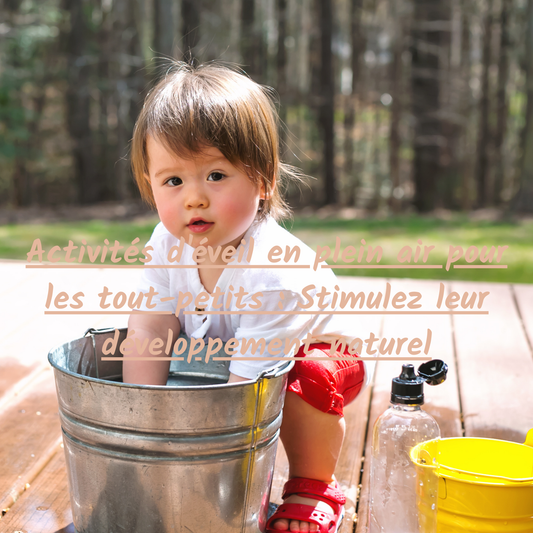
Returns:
point(408, 388)
point(434, 372)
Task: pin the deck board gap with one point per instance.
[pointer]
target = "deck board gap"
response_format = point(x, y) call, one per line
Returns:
point(522, 323)
point(365, 461)
point(457, 377)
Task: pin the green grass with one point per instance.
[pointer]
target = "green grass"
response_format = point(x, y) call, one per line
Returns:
point(395, 233)
point(391, 234)
point(16, 240)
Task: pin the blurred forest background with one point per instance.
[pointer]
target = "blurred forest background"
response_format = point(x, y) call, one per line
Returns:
point(392, 105)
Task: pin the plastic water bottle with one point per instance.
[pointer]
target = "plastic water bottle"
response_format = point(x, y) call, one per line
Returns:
point(396, 505)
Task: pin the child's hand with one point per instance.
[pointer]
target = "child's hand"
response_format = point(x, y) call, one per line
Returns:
point(146, 329)
point(236, 379)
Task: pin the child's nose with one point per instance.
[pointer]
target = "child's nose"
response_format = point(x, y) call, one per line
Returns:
point(196, 197)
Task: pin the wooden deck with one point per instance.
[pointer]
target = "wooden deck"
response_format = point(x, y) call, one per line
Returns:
point(489, 391)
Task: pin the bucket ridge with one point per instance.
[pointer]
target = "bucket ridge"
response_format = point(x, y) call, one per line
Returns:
point(169, 445)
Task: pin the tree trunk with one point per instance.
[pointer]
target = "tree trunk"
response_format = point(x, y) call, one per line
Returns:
point(396, 105)
point(281, 67)
point(78, 104)
point(20, 177)
point(127, 46)
point(425, 96)
point(465, 108)
point(190, 15)
point(375, 158)
point(327, 101)
point(484, 134)
point(502, 108)
point(104, 144)
point(164, 28)
point(447, 186)
point(250, 40)
point(357, 42)
point(523, 200)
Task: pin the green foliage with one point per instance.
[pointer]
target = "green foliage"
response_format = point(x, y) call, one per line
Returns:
point(24, 51)
point(116, 59)
point(393, 234)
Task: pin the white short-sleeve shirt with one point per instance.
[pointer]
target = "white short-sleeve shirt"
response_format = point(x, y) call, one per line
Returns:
point(280, 292)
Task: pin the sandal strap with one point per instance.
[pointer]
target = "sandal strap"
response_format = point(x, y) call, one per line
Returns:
point(306, 513)
point(301, 485)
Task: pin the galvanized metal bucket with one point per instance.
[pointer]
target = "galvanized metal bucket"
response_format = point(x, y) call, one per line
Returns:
point(194, 456)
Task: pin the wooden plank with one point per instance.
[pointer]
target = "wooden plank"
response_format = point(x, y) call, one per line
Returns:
point(442, 401)
point(524, 298)
point(351, 459)
point(495, 367)
point(379, 402)
point(29, 441)
point(30, 431)
point(28, 335)
point(14, 275)
point(45, 506)
point(11, 372)
point(348, 470)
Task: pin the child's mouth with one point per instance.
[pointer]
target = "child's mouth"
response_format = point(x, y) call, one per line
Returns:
point(199, 226)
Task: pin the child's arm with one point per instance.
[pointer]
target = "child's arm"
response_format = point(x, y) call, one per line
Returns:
point(146, 329)
point(233, 378)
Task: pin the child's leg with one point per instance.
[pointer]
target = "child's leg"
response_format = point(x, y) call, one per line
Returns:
point(313, 441)
point(313, 434)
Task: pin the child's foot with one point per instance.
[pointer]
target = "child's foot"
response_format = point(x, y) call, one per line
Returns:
point(305, 499)
point(282, 524)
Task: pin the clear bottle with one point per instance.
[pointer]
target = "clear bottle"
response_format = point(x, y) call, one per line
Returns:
point(396, 505)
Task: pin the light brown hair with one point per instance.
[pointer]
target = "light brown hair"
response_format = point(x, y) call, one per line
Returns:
point(192, 107)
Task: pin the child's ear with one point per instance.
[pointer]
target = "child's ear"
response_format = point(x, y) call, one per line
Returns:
point(267, 195)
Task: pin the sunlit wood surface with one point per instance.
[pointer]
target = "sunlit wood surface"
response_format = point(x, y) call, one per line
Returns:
point(489, 391)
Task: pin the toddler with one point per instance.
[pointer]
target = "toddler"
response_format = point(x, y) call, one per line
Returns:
point(205, 153)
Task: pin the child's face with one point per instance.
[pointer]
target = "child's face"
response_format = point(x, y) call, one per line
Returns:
point(203, 197)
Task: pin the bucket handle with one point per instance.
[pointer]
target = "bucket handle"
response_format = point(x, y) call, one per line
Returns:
point(477, 474)
point(275, 371)
point(529, 438)
point(91, 332)
point(94, 331)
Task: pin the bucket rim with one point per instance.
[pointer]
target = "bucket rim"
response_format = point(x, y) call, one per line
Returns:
point(442, 469)
point(485, 478)
point(276, 371)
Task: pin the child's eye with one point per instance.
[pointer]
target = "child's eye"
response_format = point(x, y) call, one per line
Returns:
point(215, 176)
point(174, 182)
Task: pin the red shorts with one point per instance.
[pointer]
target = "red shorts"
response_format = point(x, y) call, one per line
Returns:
point(327, 385)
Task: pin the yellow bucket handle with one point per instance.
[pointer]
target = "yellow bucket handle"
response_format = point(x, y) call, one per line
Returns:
point(529, 438)
point(477, 474)
point(528, 442)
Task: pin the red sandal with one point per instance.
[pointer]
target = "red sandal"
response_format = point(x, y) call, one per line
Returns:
point(327, 522)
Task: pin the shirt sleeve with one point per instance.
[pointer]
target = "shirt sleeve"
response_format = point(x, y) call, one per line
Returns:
point(256, 332)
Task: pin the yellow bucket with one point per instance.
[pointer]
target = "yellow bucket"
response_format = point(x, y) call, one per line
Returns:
point(485, 485)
